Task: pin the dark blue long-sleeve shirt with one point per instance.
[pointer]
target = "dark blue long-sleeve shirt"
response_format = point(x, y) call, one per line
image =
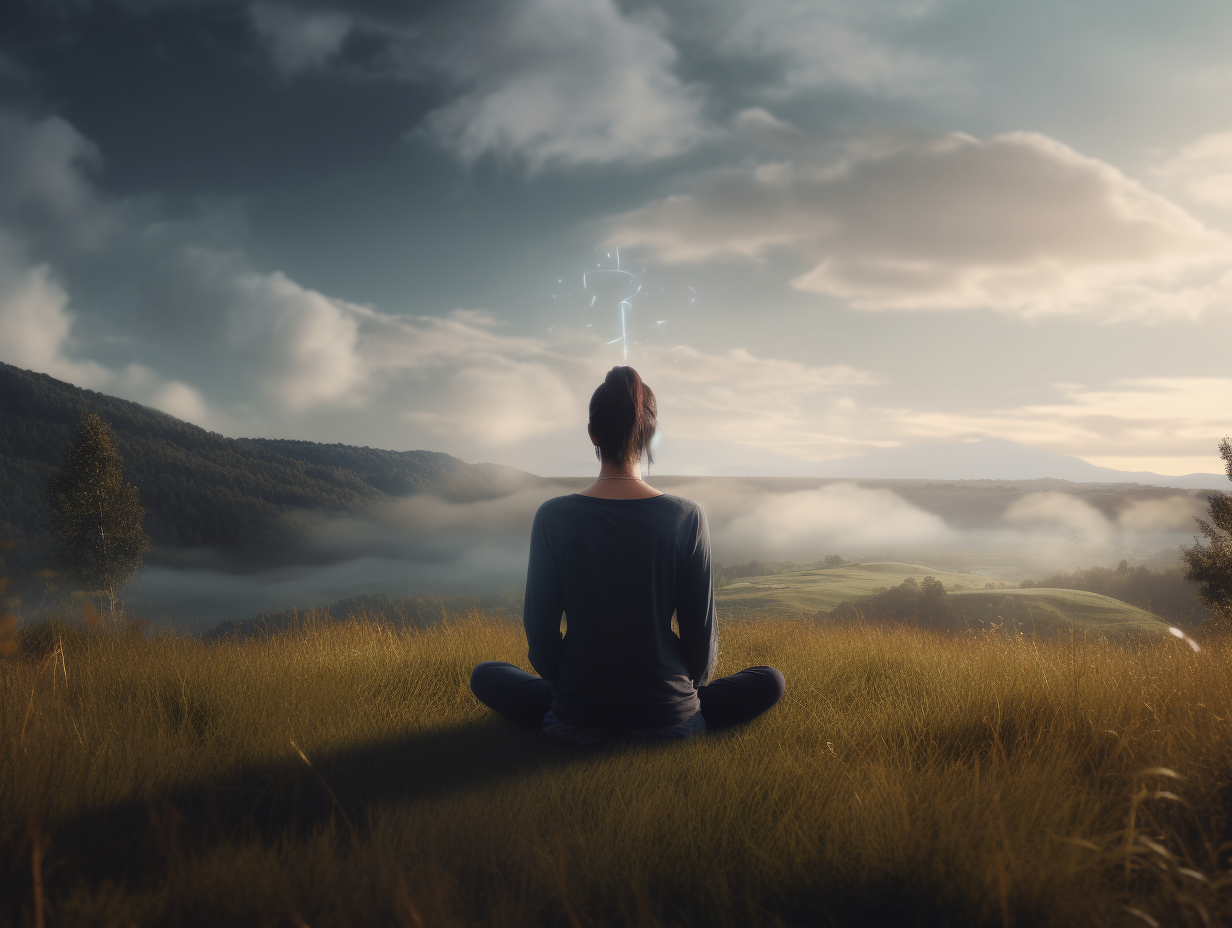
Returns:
point(617, 569)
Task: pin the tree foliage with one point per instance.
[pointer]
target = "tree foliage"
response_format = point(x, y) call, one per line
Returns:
point(96, 516)
point(1210, 565)
point(1166, 592)
point(925, 604)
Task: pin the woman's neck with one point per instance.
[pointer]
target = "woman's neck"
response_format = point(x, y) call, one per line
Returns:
point(620, 481)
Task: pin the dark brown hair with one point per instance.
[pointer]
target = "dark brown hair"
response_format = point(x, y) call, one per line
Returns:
point(623, 416)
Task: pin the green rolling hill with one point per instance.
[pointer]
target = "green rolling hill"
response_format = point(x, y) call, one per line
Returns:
point(1045, 612)
point(1050, 612)
point(807, 592)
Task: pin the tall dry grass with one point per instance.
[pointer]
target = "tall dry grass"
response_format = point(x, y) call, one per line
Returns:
point(344, 775)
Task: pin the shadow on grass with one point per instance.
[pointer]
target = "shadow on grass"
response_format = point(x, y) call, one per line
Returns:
point(135, 840)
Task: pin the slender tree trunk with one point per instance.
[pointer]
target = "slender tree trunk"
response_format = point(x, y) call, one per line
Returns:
point(104, 562)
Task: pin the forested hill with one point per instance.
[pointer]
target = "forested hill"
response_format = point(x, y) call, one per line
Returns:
point(200, 489)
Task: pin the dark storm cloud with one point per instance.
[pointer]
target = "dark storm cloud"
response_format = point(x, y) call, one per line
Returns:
point(236, 88)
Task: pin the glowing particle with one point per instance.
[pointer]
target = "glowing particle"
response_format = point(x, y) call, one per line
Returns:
point(1177, 633)
point(623, 304)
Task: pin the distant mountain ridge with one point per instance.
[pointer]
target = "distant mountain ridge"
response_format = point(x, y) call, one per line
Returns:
point(200, 489)
point(996, 459)
point(565, 452)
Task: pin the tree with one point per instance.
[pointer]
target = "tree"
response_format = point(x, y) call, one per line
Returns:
point(95, 516)
point(1210, 565)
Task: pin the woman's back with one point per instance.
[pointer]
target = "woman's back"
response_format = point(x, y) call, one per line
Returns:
point(618, 569)
point(616, 560)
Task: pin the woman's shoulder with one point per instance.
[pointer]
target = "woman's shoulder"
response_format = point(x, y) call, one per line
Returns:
point(665, 502)
point(681, 504)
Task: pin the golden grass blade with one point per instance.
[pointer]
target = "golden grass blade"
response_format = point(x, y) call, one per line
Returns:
point(1161, 772)
point(1139, 914)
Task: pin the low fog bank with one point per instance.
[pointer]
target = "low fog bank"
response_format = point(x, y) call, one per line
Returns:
point(1006, 530)
point(433, 545)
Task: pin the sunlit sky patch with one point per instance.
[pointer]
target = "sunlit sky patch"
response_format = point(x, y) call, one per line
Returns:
point(854, 225)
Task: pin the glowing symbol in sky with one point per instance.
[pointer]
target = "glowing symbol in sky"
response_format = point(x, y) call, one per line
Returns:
point(614, 284)
point(608, 285)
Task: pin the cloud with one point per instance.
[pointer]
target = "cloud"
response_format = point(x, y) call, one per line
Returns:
point(419, 379)
point(836, 516)
point(1202, 172)
point(299, 39)
point(46, 188)
point(1161, 416)
point(1019, 223)
point(211, 338)
point(279, 357)
point(833, 43)
point(1170, 514)
point(36, 329)
point(784, 406)
point(1059, 513)
point(300, 344)
point(568, 83)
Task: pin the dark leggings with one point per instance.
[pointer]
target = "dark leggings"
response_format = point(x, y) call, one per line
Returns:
point(728, 701)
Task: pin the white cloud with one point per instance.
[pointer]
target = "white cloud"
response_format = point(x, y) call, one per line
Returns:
point(460, 379)
point(299, 39)
point(837, 515)
point(1132, 424)
point(782, 406)
point(36, 333)
point(1019, 223)
point(835, 43)
point(1169, 514)
point(33, 320)
point(1059, 513)
point(568, 82)
point(1202, 172)
point(759, 121)
point(300, 344)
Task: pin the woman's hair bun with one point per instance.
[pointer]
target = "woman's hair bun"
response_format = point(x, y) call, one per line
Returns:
point(623, 416)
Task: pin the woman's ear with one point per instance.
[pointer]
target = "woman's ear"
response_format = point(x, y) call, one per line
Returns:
point(591, 432)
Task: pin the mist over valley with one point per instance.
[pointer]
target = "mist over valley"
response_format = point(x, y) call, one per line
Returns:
point(242, 527)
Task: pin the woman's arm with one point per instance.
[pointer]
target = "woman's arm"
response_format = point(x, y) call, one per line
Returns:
point(543, 605)
point(695, 612)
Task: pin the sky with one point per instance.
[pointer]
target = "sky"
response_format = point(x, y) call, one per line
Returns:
point(835, 226)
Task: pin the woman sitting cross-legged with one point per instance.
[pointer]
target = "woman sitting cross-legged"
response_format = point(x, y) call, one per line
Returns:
point(617, 560)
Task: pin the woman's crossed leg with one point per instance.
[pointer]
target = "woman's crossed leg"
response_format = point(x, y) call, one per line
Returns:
point(525, 698)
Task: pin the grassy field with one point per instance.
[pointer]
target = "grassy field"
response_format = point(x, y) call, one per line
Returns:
point(807, 592)
point(1050, 612)
point(801, 593)
point(343, 775)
